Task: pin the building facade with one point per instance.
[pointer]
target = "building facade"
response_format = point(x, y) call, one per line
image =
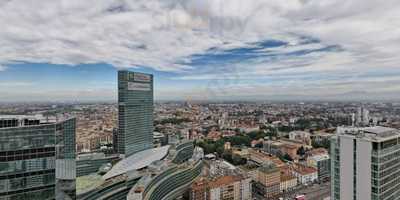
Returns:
point(365, 163)
point(323, 164)
point(230, 187)
point(90, 163)
point(268, 181)
point(288, 183)
point(135, 112)
point(37, 159)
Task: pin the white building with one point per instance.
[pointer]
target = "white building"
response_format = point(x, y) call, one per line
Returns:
point(230, 187)
point(305, 175)
point(365, 163)
point(302, 136)
point(362, 117)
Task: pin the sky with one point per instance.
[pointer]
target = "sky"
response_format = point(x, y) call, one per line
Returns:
point(57, 50)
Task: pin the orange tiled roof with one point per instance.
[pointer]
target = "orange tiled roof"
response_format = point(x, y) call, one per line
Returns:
point(224, 180)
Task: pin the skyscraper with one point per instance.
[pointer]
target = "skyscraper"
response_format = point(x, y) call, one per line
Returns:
point(135, 116)
point(362, 117)
point(365, 163)
point(37, 158)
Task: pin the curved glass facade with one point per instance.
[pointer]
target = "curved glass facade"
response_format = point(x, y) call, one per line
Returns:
point(114, 190)
point(166, 188)
point(183, 152)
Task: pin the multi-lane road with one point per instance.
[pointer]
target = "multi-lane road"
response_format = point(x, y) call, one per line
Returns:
point(312, 192)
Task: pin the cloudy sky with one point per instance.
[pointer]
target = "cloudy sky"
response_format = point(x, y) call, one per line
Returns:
point(201, 49)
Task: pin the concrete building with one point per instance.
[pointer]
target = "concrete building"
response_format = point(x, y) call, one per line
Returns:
point(135, 112)
point(37, 158)
point(259, 157)
point(268, 181)
point(365, 163)
point(322, 163)
point(230, 187)
point(221, 188)
point(301, 136)
point(288, 182)
point(305, 175)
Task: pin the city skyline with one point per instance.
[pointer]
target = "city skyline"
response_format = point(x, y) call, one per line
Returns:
point(255, 50)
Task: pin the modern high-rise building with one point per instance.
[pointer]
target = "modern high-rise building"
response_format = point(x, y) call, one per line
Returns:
point(135, 116)
point(365, 163)
point(37, 158)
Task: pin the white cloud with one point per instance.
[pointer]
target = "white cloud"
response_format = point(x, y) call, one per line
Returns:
point(159, 33)
point(2, 68)
point(162, 33)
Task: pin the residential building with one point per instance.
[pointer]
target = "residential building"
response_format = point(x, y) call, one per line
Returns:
point(260, 157)
point(288, 182)
point(268, 181)
point(305, 175)
point(227, 187)
point(135, 112)
point(301, 136)
point(322, 163)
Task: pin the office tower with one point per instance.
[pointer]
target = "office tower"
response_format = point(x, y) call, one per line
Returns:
point(135, 115)
point(115, 140)
point(37, 158)
point(365, 163)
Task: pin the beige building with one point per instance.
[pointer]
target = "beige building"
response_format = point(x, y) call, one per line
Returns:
point(222, 188)
point(288, 182)
point(261, 157)
point(268, 181)
point(227, 146)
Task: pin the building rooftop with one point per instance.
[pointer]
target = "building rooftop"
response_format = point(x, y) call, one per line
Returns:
point(304, 170)
point(376, 133)
point(268, 167)
point(138, 161)
point(21, 117)
point(224, 180)
point(88, 183)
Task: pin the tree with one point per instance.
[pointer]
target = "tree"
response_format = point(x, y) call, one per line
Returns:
point(301, 151)
point(237, 160)
point(287, 157)
point(259, 145)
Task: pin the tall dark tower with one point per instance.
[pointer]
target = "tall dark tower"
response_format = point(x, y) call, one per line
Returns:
point(135, 114)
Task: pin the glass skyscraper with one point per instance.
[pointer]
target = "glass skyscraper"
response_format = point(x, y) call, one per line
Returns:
point(135, 115)
point(365, 163)
point(37, 158)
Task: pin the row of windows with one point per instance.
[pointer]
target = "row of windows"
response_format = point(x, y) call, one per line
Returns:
point(30, 165)
point(14, 184)
point(40, 194)
point(387, 157)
